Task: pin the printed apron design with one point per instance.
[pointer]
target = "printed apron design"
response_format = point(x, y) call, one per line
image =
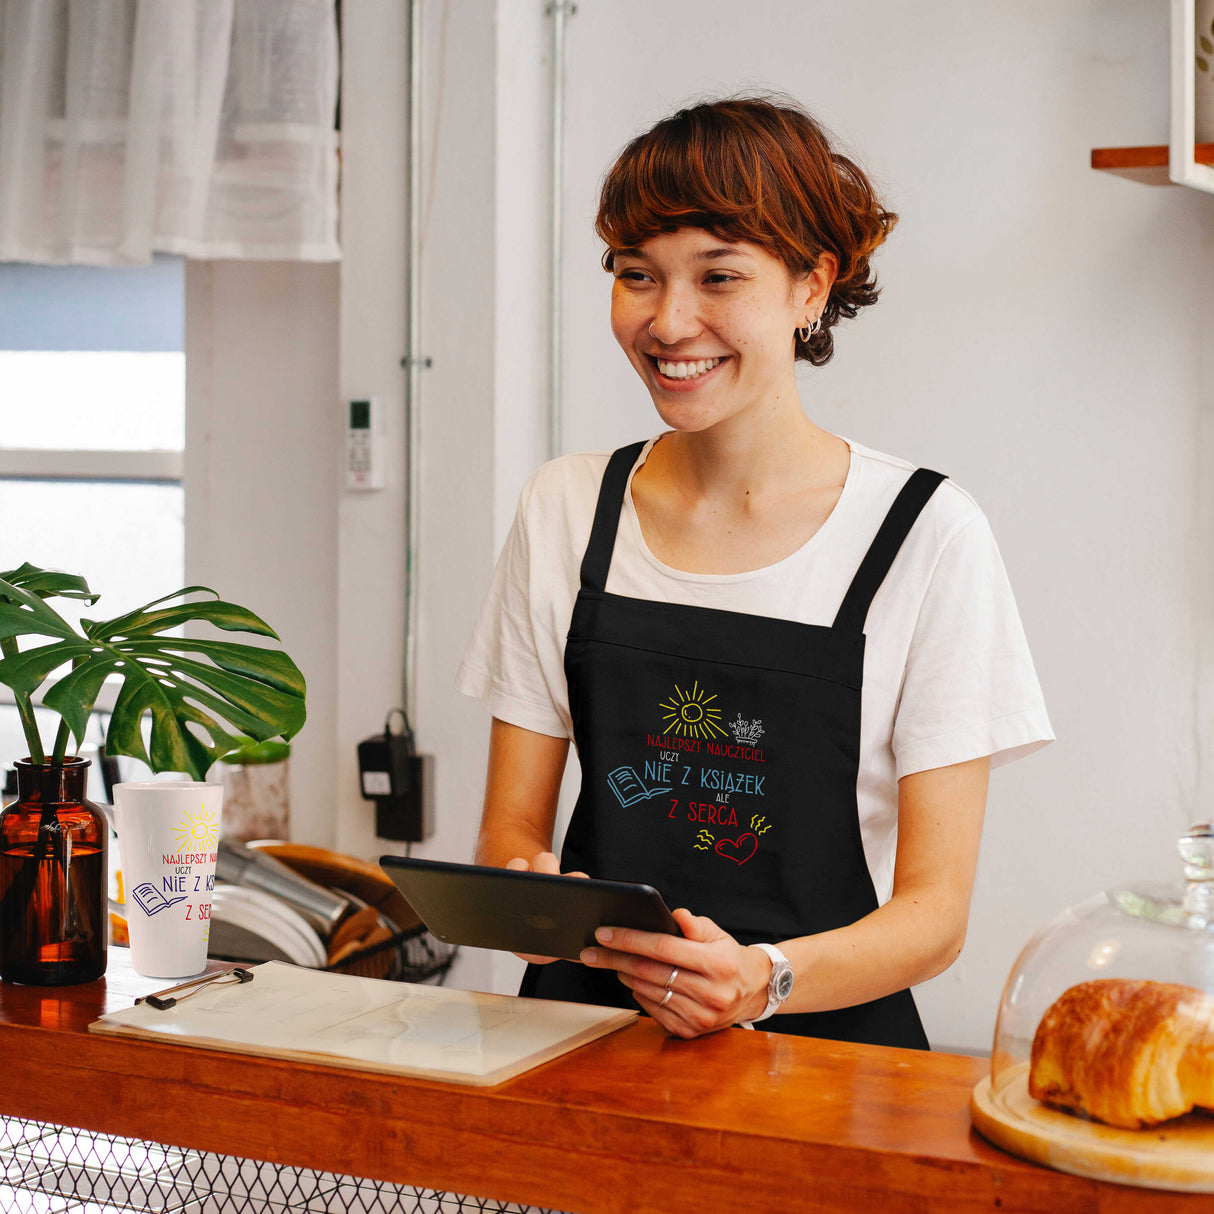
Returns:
point(719, 755)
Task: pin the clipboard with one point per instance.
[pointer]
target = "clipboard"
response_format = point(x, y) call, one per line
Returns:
point(370, 1024)
point(523, 912)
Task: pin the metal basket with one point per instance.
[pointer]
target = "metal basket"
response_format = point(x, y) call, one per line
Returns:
point(412, 955)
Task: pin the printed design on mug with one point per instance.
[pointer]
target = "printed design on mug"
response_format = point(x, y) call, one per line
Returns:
point(197, 838)
point(697, 772)
point(151, 900)
point(198, 834)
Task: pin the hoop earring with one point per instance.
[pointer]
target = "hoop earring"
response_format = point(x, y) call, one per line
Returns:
point(806, 333)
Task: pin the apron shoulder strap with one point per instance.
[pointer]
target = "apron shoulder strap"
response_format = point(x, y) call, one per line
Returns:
point(597, 560)
point(907, 507)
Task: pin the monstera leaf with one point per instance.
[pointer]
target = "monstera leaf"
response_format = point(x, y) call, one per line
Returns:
point(46, 584)
point(206, 698)
point(49, 583)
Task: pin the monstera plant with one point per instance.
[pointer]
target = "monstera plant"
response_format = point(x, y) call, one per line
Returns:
point(206, 698)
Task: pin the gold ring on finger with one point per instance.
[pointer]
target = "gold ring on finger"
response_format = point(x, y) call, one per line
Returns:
point(666, 998)
point(670, 981)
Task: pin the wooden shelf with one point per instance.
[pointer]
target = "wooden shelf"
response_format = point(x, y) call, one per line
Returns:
point(1148, 165)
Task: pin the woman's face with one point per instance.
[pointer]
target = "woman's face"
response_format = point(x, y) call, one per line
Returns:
point(723, 315)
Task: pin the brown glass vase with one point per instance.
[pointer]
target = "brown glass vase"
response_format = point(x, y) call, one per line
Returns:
point(54, 877)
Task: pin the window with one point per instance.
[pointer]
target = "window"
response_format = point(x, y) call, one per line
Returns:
point(92, 434)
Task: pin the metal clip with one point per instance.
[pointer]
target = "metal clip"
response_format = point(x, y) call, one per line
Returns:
point(163, 1000)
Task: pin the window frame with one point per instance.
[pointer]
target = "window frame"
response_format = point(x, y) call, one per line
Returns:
point(90, 466)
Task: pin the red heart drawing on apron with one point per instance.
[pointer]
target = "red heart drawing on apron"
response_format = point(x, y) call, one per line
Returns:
point(738, 852)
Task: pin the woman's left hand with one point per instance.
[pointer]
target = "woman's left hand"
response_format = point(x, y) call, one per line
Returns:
point(691, 985)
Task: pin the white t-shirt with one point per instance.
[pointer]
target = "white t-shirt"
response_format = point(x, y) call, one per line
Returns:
point(947, 672)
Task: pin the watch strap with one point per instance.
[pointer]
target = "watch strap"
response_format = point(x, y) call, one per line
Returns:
point(773, 999)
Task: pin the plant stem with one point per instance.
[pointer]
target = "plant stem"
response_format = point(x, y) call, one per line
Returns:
point(25, 708)
point(61, 741)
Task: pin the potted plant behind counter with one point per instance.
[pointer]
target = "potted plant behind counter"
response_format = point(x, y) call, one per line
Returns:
point(256, 801)
point(206, 699)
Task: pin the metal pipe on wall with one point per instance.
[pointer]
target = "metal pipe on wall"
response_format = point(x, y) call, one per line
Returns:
point(413, 362)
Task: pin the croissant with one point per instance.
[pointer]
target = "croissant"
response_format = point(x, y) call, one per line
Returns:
point(1128, 1053)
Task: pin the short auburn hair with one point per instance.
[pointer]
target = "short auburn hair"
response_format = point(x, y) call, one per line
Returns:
point(758, 169)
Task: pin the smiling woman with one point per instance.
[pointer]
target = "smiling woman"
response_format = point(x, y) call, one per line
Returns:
point(787, 661)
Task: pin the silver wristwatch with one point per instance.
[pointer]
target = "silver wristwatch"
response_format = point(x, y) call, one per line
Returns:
point(779, 985)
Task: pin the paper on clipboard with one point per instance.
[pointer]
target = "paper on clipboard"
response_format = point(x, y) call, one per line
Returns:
point(372, 1024)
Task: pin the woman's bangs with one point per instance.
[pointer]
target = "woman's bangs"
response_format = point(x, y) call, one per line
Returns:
point(651, 199)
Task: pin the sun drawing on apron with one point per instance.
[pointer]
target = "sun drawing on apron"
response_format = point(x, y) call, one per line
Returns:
point(691, 714)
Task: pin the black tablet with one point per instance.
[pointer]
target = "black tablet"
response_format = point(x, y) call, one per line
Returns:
point(523, 912)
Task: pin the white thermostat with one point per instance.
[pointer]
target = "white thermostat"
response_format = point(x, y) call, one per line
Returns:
point(364, 443)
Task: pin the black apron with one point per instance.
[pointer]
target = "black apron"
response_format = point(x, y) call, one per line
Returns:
point(719, 755)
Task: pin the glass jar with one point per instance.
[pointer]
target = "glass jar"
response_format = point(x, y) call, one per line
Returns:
point(1155, 941)
point(54, 846)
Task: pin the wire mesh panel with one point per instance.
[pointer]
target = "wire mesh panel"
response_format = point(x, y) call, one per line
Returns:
point(46, 1169)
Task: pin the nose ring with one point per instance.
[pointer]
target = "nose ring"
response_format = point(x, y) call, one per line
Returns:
point(653, 334)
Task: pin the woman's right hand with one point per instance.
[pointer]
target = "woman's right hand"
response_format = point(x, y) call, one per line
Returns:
point(544, 862)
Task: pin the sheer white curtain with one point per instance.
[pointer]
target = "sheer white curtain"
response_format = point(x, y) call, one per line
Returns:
point(199, 127)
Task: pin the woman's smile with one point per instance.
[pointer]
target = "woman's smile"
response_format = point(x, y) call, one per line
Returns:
point(681, 374)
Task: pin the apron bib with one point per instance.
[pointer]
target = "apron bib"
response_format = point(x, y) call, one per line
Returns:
point(719, 754)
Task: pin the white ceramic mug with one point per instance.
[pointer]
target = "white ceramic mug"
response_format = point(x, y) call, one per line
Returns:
point(168, 832)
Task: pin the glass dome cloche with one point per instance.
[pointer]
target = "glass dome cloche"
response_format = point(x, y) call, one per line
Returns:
point(1103, 1058)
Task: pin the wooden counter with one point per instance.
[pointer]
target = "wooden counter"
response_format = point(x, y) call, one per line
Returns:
point(636, 1122)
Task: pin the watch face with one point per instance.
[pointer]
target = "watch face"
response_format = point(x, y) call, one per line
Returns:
point(784, 983)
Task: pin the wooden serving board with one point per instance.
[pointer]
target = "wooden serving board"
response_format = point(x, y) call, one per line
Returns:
point(1177, 1154)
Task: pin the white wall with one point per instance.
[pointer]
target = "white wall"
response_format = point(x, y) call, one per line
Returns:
point(261, 478)
point(1040, 339)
